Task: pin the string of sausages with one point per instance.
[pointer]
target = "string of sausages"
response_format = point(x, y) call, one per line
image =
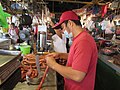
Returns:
point(43, 78)
point(28, 66)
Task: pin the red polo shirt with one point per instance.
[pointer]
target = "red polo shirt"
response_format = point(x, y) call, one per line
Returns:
point(82, 57)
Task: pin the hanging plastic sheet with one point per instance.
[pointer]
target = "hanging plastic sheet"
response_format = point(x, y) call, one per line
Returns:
point(3, 15)
point(104, 10)
point(16, 6)
point(95, 9)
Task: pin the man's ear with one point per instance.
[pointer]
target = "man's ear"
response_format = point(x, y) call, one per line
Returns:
point(70, 22)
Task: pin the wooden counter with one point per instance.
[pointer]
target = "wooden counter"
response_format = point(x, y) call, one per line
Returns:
point(9, 63)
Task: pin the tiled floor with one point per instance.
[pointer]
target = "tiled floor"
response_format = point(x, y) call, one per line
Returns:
point(49, 83)
point(25, 86)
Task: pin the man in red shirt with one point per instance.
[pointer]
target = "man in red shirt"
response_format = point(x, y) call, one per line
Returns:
point(79, 72)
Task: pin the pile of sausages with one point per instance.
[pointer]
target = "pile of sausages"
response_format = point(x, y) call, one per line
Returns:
point(28, 66)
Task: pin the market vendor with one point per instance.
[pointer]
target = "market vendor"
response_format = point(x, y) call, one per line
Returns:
point(79, 72)
point(13, 33)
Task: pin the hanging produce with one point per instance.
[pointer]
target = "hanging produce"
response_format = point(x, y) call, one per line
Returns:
point(95, 9)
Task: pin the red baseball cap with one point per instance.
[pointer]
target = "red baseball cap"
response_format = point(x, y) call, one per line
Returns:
point(67, 15)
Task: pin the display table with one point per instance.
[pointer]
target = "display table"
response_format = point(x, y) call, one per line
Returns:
point(9, 68)
point(107, 74)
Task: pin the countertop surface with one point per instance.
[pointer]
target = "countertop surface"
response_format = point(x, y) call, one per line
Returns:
point(9, 63)
point(105, 59)
point(5, 59)
point(7, 55)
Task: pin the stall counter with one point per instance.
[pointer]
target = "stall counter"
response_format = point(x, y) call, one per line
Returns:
point(107, 74)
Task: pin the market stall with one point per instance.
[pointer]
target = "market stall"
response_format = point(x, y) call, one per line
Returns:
point(25, 66)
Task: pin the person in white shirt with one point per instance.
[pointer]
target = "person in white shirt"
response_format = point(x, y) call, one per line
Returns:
point(59, 43)
point(59, 40)
point(13, 33)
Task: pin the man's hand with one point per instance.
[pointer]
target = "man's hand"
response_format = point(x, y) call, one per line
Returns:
point(50, 61)
point(54, 55)
point(57, 55)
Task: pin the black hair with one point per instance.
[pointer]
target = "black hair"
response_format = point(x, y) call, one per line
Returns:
point(77, 22)
point(54, 20)
point(13, 24)
point(51, 30)
point(66, 22)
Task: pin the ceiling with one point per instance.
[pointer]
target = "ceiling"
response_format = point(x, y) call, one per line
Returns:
point(58, 6)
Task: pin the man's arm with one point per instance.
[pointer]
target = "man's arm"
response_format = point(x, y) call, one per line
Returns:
point(69, 73)
point(63, 56)
point(65, 71)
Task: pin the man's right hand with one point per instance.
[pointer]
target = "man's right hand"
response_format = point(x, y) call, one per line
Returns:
point(57, 55)
point(54, 55)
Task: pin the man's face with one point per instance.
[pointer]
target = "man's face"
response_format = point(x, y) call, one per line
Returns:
point(65, 27)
